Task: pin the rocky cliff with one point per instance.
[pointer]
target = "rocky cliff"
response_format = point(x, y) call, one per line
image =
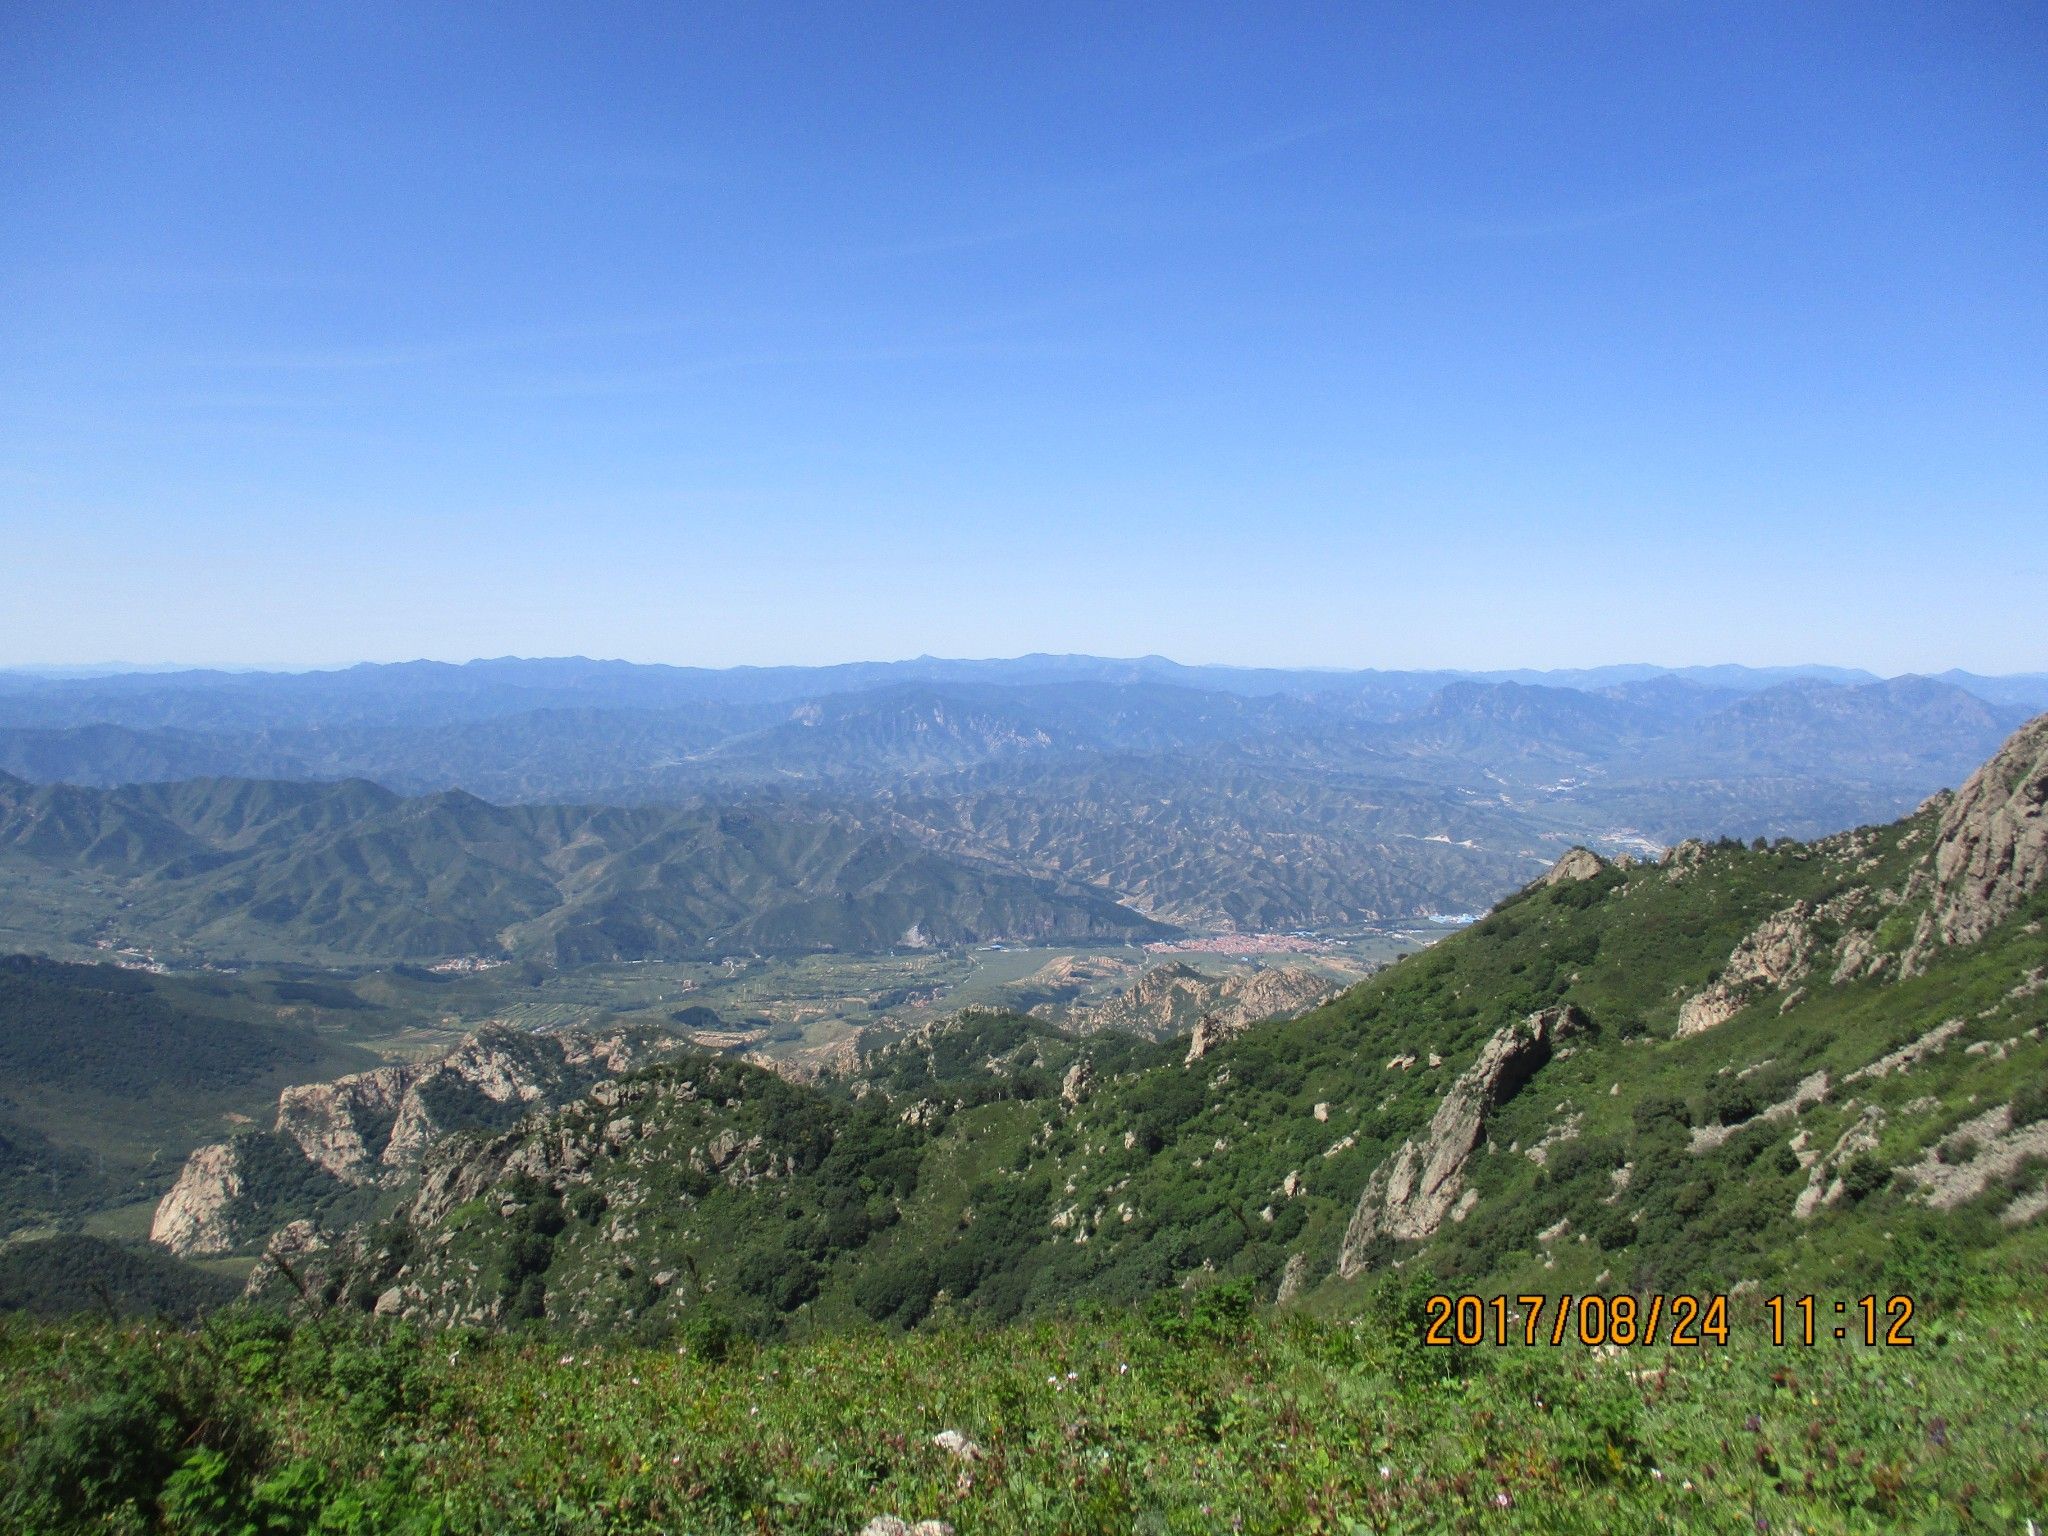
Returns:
point(373, 1128)
point(1413, 1192)
point(1991, 851)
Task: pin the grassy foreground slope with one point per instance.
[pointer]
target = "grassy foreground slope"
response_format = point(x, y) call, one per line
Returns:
point(1173, 1419)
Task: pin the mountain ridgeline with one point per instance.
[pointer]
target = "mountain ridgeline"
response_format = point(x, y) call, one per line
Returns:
point(1801, 1064)
point(576, 811)
point(243, 867)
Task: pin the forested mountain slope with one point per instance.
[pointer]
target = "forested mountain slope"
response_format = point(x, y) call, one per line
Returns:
point(239, 867)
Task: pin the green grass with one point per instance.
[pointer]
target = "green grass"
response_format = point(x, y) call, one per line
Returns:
point(1169, 1419)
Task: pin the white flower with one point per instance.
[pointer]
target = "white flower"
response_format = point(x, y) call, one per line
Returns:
point(1657, 1473)
point(1385, 1471)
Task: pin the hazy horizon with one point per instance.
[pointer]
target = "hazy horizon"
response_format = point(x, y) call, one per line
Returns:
point(65, 669)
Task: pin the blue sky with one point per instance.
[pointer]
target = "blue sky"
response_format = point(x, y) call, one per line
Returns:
point(1346, 335)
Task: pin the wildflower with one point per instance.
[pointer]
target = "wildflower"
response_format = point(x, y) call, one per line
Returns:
point(1686, 1486)
point(1385, 1471)
point(1123, 1367)
point(1073, 1375)
point(566, 1360)
point(1657, 1473)
point(1501, 1499)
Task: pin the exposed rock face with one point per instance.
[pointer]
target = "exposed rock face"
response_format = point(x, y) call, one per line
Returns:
point(198, 1216)
point(1292, 1279)
point(374, 1127)
point(1858, 956)
point(1176, 999)
point(1809, 1091)
point(1577, 864)
point(344, 1126)
point(1991, 848)
point(1413, 1192)
point(1907, 1056)
point(1282, 992)
point(1777, 953)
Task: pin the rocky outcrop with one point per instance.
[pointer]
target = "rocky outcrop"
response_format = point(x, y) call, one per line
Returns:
point(1810, 1090)
point(1911, 1054)
point(201, 1214)
point(346, 1125)
point(1776, 953)
point(1078, 1083)
point(1980, 1151)
point(1293, 1279)
point(1991, 847)
point(1176, 999)
point(1414, 1191)
point(1245, 999)
point(1824, 1183)
point(1681, 859)
point(375, 1127)
point(1577, 864)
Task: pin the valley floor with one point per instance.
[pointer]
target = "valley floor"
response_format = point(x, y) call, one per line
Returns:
point(1211, 1418)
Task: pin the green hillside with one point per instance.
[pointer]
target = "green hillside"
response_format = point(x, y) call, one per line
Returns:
point(1745, 1064)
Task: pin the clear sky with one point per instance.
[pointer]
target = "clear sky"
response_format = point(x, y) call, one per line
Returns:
point(1349, 334)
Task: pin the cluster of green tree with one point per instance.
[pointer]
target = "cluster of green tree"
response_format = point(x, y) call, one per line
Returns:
point(65, 1275)
point(98, 1029)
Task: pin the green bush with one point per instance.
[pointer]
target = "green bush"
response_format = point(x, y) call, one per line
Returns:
point(2030, 1103)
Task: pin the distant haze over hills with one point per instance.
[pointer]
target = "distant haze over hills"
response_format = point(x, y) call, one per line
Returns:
point(925, 801)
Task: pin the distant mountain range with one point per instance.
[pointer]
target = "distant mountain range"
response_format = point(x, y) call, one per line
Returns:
point(578, 810)
point(245, 867)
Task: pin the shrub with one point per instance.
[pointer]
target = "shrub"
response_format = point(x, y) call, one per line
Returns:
point(1864, 1176)
point(2029, 1104)
point(709, 1333)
